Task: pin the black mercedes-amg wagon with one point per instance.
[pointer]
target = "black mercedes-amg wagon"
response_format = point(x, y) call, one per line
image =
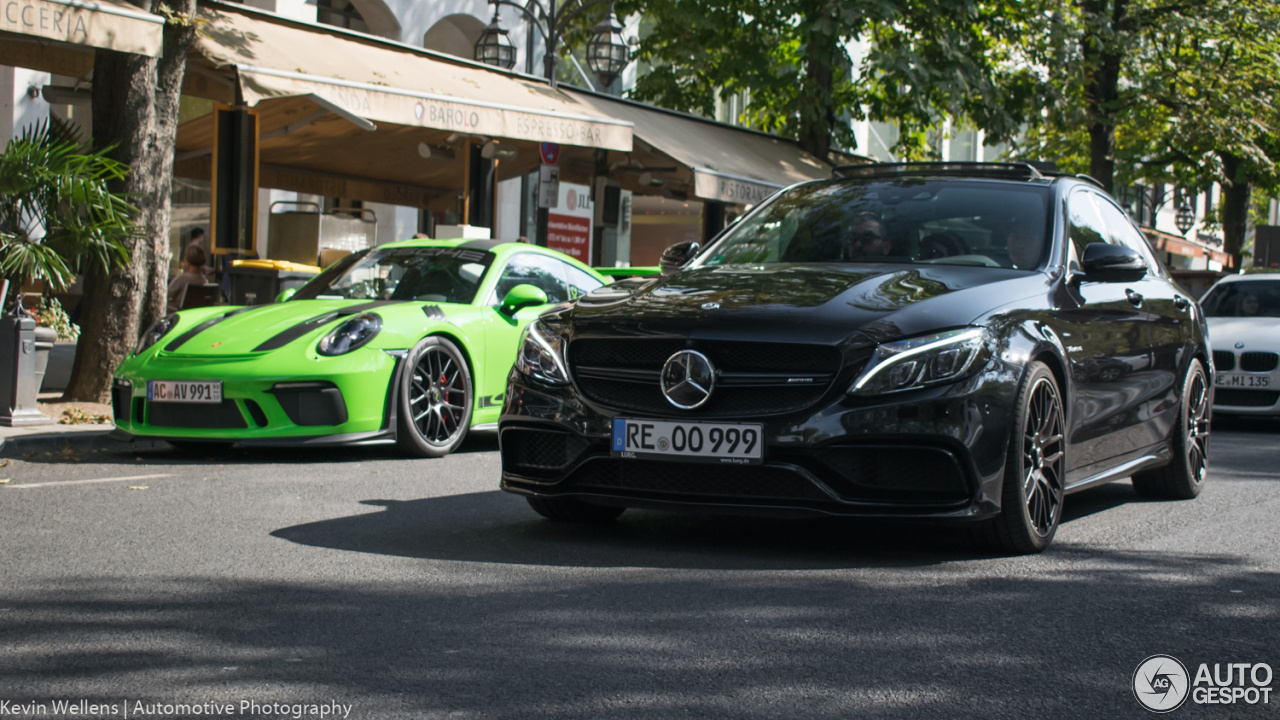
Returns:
point(959, 341)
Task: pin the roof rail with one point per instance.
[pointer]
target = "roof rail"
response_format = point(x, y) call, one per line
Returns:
point(1011, 171)
point(1088, 178)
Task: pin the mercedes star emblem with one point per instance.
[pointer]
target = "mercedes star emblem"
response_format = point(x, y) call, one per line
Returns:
point(688, 379)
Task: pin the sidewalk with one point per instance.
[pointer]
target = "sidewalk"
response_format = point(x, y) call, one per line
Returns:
point(54, 437)
point(17, 441)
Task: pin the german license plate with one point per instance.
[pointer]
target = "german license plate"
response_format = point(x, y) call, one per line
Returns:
point(731, 443)
point(1241, 380)
point(184, 391)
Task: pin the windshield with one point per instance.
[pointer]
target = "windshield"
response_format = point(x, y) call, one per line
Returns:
point(427, 274)
point(985, 223)
point(1260, 298)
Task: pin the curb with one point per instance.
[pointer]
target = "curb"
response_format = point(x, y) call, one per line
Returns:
point(18, 445)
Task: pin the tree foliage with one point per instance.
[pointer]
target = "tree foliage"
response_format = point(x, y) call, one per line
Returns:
point(58, 217)
point(1159, 91)
point(923, 61)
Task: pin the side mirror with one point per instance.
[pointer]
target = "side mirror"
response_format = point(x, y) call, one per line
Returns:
point(521, 296)
point(286, 294)
point(674, 257)
point(1108, 263)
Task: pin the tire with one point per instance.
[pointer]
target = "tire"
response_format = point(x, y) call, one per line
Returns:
point(196, 447)
point(435, 399)
point(567, 509)
point(1183, 478)
point(1032, 494)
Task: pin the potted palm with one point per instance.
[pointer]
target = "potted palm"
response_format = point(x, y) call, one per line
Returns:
point(58, 218)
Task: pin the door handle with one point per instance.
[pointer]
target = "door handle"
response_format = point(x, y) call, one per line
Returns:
point(1135, 299)
point(1180, 302)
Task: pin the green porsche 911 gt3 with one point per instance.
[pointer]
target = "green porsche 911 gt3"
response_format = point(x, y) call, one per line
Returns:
point(408, 342)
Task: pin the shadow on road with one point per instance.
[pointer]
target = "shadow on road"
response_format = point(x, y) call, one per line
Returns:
point(636, 644)
point(496, 527)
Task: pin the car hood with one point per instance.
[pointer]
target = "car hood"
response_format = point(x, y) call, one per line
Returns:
point(816, 303)
point(263, 328)
point(1257, 333)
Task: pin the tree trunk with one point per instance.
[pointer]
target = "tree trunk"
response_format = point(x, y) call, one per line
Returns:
point(1235, 207)
point(135, 108)
point(817, 111)
point(1102, 87)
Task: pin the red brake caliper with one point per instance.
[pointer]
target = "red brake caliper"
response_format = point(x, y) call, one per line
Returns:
point(446, 392)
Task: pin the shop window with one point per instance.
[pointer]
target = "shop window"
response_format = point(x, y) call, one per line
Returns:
point(340, 13)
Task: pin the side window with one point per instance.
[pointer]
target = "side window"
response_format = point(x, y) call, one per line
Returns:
point(580, 283)
point(540, 271)
point(1123, 232)
point(1086, 224)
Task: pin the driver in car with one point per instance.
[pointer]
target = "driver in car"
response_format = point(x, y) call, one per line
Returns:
point(1024, 243)
point(867, 239)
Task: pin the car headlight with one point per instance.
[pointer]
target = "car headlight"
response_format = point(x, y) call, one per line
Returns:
point(350, 335)
point(157, 331)
point(541, 355)
point(920, 362)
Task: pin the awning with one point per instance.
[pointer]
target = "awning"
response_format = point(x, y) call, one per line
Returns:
point(1165, 242)
point(726, 163)
point(108, 24)
point(388, 82)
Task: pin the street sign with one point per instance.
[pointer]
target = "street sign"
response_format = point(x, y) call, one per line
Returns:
point(550, 152)
point(548, 186)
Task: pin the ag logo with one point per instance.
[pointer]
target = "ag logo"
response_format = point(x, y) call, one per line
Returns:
point(1160, 683)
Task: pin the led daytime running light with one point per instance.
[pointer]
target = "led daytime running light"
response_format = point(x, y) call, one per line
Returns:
point(557, 375)
point(897, 359)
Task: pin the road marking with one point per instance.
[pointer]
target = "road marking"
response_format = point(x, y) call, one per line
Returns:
point(96, 480)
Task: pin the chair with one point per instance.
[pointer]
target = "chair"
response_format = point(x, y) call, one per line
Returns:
point(194, 296)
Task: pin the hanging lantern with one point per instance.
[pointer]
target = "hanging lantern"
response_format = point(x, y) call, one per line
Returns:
point(1185, 219)
point(607, 51)
point(494, 46)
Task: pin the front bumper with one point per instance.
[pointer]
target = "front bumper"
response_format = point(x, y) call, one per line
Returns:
point(933, 453)
point(350, 402)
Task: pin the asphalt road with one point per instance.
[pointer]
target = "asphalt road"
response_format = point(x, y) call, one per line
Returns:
point(417, 589)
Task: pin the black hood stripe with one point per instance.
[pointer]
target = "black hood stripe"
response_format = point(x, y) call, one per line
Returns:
point(306, 326)
point(188, 335)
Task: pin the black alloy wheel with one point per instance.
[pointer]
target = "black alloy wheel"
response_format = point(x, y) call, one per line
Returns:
point(435, 399)
point(1031, 501)
point(1183, 478)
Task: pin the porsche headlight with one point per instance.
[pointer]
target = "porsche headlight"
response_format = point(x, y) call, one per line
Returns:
point(156, 332)
point(350, 335)
point(542, 355)
point(920, 362)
